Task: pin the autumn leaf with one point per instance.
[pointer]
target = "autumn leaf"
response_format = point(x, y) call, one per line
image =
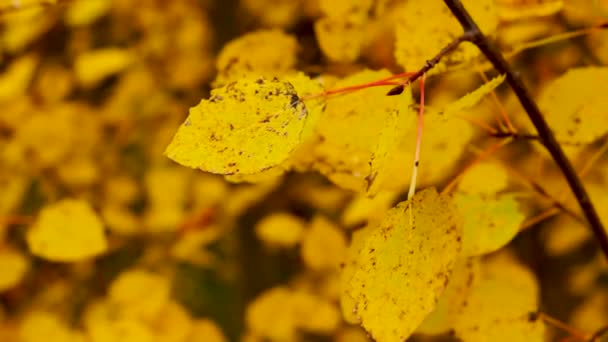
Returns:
point(574, 104)
point(404, 266)
point(67, 231)
point(246, 127)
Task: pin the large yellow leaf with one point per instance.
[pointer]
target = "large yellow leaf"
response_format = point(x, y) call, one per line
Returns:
point(359, 129)
point(575, 105)
point(67, 231)
point(404, 266)
point(490, 222)
point(499, 306)
point(244, 128)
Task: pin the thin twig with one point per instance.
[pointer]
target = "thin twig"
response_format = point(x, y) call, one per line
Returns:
point(430, 64)
point(538, 218)
point(501, 109)
point(482, 156)
point(495, 57)
point(486, 127)
point(598, 334)
point(516, 136)
point(573, 332)
point(412, 190)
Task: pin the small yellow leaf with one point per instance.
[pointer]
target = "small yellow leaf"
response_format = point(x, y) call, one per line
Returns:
point(323, 245)
point(471, 99)
point(14, 265)
point(339, 39)
point(280, 230)
point(68, 230)
point(204, 330)
point(17, 76)
point(103, 323)
point(84, 12)
point(490, 222)
point(270, 315)
point(40, 326)
point(139, 293)
point(404, 266)
point(484, 178)
point(94, 66)
point(315, 314)
point(244, 128)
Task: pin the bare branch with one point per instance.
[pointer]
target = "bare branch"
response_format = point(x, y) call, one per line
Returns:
point(547, 137)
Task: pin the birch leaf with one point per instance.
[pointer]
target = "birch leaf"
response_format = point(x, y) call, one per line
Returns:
point(404, 266)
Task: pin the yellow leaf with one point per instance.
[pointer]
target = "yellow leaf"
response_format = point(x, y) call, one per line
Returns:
point(349, 131)
point(395, 129)
point(244, 128)
point(471, 99)
point(315, 314)
point(484, 178)
point(466, 275)
point(363, 209)
point(68, 230)
point(85, 12)
point(190, 247)
point(16, 78)
point(404, 266)
point(173, 324)
point(95, 65)
point(270, 315)
point(323, 245)
point(574, 105)
point(426, 27)
point(339, 39)
point(592, 313)
point(274, 13)
point(24, 26)
point(103, 324)
point(14, 265)
point(517, 9)
point(280, 229)
point(139, 293)
point(346, 8)
point(499, 306)
point(204, 330)
point(40, 326)
point(304, 87)
point(347, 302)
point(264, 53)
point(490, 222)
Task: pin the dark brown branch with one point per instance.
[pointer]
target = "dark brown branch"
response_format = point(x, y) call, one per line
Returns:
point(430, 64)
point(547, 138)
point(598, 334)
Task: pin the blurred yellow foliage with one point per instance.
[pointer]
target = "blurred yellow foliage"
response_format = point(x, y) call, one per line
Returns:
point(67, 231)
